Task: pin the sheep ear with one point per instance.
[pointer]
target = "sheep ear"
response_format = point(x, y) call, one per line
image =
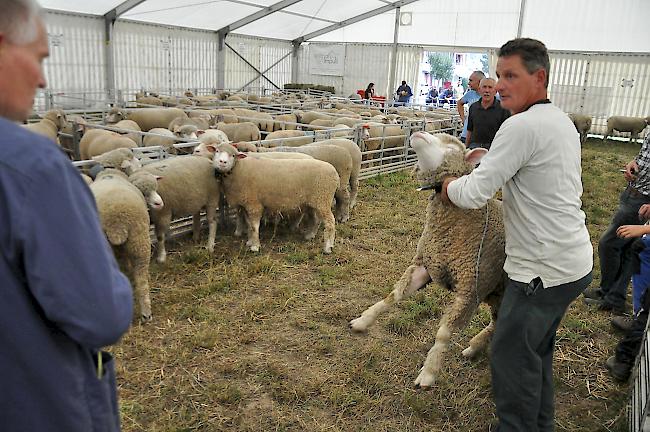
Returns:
point(200, 132)
point(176, 129)
point(474, 156)
point(241, 155)
point(211, 148)
point(158, 178)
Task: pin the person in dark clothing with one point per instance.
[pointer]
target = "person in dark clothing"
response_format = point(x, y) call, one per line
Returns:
point(370, 91)
point(614, 251)
point(404, 93)
point(485, 116)
point(432, 95)
point(621, 363)
point(63, 296)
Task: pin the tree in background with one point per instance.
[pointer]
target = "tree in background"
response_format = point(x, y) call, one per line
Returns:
point(442, 67)
point(485, 67)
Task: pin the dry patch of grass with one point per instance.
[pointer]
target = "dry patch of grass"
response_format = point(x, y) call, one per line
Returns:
point(259, 342)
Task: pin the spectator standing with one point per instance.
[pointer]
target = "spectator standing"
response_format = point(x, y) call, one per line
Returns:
point(535, 158)
point(404, 93)
point(614, 251)
point(459, 90)
point(468, 99)
point(485, 116)
point(63, 296)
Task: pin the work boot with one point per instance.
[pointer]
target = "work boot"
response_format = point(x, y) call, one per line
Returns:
point(605, 306)
point(619, 371)
point(593, 293)
point(622, 323)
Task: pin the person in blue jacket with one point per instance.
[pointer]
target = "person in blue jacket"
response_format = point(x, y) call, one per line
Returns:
point(63, 296)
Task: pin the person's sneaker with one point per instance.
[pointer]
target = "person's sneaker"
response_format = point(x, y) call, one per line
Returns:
point(605, 306)
point(593, 293)
point(619, 371)
point(622, 322)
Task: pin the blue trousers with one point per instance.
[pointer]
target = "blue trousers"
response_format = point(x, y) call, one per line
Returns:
point(614, 252)
point(522, 353)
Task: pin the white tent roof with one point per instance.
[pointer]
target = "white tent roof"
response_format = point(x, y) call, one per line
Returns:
point(578, 25)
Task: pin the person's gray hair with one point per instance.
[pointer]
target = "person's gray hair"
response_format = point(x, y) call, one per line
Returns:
point(19, 20)
point(532, 52)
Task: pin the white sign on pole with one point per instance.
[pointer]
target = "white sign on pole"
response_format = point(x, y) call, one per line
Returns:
point(327, 59)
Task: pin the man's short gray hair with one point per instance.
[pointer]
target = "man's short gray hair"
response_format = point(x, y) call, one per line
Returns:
point(19, 20)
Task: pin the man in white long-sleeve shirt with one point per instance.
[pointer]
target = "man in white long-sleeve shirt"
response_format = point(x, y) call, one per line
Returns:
point(535, 158)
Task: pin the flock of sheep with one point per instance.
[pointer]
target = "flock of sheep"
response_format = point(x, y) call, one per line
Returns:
point(305, 169)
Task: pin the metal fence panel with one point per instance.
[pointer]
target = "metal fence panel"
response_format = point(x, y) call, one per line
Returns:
point(601, 85)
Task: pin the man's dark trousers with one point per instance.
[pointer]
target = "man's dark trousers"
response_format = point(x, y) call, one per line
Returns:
point(522, 353)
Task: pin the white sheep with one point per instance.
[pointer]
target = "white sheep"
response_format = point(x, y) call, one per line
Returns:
point(278, 186)
point(355, 154)
point(290, 138)
point(463, 250)
point(122, 207)
point(146, 118)
point(165, 139)
point(634, 125)
point(50, 125)
point(340, 159)
point(98, 141)
point(582, 123)
point(188, 185)
point(236, 132)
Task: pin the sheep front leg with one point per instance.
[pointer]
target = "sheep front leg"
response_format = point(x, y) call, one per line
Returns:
point(342, 204)
point(211, 215)
point(329, 233)
point(455, 319)
point(140, 277)
point(161, 228)
point(354, 189)
point(240, 222)
point(414, 278)
point(482, 340)
point(196, 227)
point(253, 217)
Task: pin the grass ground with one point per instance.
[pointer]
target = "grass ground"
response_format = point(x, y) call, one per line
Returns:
point(259, 342)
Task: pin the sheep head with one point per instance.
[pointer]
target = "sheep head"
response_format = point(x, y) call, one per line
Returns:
point(225, 157)
point(440, 157)
point(115, 115)
point(147, 183)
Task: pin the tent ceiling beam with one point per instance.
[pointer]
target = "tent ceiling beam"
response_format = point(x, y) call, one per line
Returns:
point(268, 10)
point(121, 9)
point(389, 7)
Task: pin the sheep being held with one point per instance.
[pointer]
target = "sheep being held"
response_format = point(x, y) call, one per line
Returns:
point(462, 250)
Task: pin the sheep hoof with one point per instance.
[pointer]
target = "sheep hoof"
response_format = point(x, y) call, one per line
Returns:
point(470, 352)
point(310, 236)
point(359, 325)
point(161, 259)
point(425, 380)
point(255, 248)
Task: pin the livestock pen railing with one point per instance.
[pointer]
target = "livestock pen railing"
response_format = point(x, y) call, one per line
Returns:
point(377, 162)
point(639, 402)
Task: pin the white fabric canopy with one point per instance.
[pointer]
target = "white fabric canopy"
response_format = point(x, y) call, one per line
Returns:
point(578, 25)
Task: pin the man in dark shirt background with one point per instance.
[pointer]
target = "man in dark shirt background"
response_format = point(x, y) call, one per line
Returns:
point(485, 116)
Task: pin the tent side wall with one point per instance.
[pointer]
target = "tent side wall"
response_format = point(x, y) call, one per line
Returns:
point(364, 63)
